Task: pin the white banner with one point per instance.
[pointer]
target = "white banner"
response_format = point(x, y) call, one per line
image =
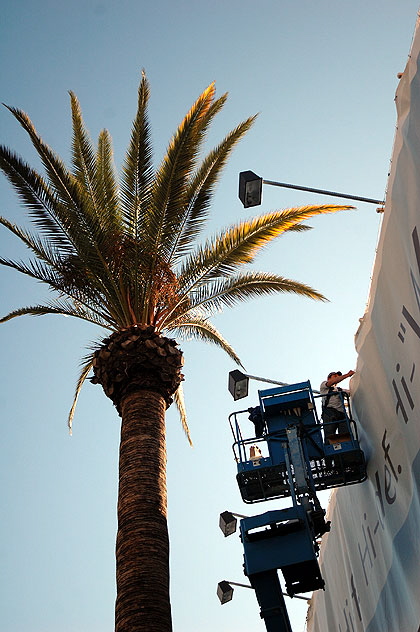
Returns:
point(371, 558)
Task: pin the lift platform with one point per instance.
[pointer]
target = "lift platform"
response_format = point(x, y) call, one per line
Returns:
point(285, 451)
point(262, 452)
point(283, 539)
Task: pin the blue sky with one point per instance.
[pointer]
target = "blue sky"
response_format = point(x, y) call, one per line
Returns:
point(323, 77)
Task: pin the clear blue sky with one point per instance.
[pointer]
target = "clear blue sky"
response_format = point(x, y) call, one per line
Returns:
point(323, 77)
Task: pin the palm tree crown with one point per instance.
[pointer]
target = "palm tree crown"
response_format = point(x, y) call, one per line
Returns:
point(125, 254)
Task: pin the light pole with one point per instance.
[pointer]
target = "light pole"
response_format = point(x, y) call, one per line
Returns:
point(250, 191)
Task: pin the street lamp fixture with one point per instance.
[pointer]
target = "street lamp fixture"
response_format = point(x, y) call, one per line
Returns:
point(250, 190)
point(228, 522)
point(224, 592)
point(239, 382)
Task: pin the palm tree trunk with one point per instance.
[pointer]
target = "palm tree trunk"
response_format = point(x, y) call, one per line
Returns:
point(142, 550)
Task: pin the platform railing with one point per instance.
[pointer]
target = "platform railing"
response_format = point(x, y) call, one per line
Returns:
point(329, 464)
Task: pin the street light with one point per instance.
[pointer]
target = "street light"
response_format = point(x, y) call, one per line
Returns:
point(250, 190)
point(225, 591)
point(238, 383)
point(227, 522)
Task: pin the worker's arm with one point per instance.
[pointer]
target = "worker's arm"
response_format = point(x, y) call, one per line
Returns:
point(336, 379)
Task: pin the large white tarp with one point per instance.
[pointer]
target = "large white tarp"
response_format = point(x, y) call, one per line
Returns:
point(371, 558)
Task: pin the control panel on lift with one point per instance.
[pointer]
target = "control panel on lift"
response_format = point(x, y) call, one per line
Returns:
point(261, 444)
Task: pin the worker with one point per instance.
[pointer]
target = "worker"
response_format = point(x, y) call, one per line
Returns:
point(333, 411)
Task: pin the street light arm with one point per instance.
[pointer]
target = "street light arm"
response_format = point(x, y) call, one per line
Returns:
point(249, 586)
point(323, 192)
point(263, 379)
point(250, 190)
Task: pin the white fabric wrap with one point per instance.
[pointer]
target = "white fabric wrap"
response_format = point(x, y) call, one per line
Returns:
point(371, 558)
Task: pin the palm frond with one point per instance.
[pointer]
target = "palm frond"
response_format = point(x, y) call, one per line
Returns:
point(201, 189)
point(36, 270)
point(86, 367)
point(240, 244)
point(168, 201)
point(180, 404)
point(61, 228)
point(68, 229)
point(61, 179)
point(83, 154)
point(136, 186)
point(213, 297)
point(88, 295)
point(198, 327)
point(59, 309)
point(168, 196)
point(44, 207)
point(34, 310)
point(70, 208)
point(137, 172)
point(43, 249)
point(107, 186)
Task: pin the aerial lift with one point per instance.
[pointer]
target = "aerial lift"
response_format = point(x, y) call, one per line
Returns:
point(286, 455)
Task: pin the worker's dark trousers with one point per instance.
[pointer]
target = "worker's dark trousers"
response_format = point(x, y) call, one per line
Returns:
point(332, 418)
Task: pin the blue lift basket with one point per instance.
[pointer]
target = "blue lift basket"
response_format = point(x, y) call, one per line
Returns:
point(261, 452)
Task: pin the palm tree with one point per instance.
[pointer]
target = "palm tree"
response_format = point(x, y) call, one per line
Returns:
point(124, 256)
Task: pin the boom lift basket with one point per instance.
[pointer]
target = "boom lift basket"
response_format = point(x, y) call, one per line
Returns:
point(261, 460)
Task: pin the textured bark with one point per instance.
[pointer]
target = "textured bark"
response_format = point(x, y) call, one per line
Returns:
point(140, 370)
point(142, 549)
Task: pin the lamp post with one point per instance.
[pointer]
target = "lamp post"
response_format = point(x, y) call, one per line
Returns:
point(250, 190)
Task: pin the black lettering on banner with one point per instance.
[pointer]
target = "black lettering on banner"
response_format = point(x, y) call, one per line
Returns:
point(409, 317)
point(404, 399)
point(386, 494)
point(401, 405)
point(366, 554)
point(411, 321)
point(355, 597)
point(390, 478)
point(349, 608)
point(416, 244)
